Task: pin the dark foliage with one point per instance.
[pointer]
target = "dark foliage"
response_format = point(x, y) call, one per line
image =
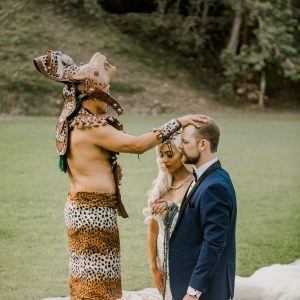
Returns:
point(126, 6)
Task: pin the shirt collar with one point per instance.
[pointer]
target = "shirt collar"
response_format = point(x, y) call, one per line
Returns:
point(204, 167)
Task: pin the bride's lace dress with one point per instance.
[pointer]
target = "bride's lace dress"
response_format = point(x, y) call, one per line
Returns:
point(160, 247)
point(152, 293)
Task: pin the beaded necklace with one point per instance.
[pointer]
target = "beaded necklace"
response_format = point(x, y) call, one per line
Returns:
point(181, 184)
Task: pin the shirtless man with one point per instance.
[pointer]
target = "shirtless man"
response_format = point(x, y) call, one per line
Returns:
point(90, 150)
point(88, 141)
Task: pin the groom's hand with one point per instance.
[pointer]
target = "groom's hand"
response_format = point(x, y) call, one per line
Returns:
point(189, 297)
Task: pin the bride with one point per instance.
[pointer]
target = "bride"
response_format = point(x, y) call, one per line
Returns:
point(171, 183)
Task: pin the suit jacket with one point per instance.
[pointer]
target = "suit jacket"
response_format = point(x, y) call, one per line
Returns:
point(202, 248)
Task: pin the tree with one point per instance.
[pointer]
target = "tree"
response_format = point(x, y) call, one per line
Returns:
point(272, 44)
point(250, 39)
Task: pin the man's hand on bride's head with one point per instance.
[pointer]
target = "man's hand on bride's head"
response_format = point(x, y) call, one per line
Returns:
point(195, 120)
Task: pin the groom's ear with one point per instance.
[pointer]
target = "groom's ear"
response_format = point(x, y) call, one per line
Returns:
point(203, 145)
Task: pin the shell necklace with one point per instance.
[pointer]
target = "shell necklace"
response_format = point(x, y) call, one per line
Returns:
point(181, 184)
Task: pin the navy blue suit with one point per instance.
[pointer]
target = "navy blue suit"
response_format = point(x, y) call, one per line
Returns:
point(202, 246)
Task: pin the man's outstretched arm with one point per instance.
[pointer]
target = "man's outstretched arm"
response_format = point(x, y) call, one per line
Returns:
point(117, 141)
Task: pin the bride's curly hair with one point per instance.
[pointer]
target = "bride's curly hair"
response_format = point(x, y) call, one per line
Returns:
point(163, 181)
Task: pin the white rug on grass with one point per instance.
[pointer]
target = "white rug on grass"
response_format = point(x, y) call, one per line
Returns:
point(275, 282)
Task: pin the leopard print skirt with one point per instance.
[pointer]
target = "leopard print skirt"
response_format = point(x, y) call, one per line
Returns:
point(94, 246)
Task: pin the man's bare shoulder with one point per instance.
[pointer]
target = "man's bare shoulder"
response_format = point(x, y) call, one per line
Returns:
point(105, 129)
point(102, 131)
point(90, 131)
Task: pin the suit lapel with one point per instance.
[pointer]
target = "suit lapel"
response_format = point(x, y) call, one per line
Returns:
point(187, 198)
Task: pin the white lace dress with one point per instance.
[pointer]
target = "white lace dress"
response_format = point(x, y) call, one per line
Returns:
point(160, 247)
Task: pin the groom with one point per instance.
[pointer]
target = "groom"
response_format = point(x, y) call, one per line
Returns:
point(202, 246)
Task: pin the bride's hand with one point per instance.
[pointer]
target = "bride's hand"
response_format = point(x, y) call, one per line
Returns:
point(158, 279)
point(159, 206)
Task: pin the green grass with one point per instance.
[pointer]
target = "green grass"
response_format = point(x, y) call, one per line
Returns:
point(260, 152)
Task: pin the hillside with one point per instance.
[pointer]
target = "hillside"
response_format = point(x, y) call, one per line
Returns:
point(145, 82)
point(149, 80)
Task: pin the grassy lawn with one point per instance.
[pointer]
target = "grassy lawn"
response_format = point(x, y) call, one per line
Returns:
point(260, 152)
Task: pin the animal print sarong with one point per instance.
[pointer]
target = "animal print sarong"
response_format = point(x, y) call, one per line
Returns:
point(94, 245)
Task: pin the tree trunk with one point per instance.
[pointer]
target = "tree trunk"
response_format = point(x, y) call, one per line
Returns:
point(198, 7)
point(245, 40)
point(204, 15)
point(234, 39)
point(162, 6)
point(168, 5)
point(261, 100)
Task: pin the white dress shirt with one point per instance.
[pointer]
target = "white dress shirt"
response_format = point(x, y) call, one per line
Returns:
point(201, 170)
point(191, 291)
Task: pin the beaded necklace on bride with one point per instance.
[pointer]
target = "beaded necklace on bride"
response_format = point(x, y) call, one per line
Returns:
point(177, 187)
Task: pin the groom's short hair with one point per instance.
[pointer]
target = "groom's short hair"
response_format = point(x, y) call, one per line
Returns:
point(209, 131)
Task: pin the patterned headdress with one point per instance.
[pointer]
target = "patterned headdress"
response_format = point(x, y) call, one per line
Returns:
point(91, 79)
